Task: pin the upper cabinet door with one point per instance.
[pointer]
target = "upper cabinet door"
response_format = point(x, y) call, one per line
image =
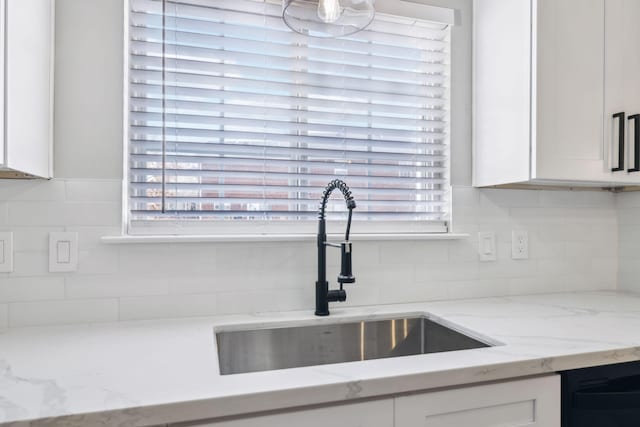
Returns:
point(622, 87)
point(539, 93)
point(27, 86)
point(568, 84)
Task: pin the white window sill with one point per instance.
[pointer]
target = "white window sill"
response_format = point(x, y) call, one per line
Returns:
point(127, 239)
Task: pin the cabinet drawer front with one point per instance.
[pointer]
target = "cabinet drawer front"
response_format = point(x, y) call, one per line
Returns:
point(368, 414)
point(533, 402)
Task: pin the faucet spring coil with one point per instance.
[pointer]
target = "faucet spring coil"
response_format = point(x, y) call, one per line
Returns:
point(344, 189)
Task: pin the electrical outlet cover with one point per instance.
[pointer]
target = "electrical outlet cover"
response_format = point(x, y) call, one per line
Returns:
point(519, 244)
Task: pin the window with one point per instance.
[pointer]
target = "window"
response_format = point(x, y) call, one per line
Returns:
point(234, 120)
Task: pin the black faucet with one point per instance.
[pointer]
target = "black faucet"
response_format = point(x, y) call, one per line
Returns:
point(323, 295)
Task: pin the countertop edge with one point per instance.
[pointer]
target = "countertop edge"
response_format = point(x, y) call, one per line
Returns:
point(236, 405)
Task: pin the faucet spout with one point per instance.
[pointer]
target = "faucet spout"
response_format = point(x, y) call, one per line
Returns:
point(323, 294)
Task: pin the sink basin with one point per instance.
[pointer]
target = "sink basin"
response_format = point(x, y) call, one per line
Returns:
point(286, 346)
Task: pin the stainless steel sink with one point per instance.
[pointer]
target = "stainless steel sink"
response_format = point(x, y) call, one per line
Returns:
point(286, 346)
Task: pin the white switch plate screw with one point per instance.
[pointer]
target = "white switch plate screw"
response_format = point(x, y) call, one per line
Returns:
point(487, 245)
point(63, 252)
point(519, 244)
point(6, 252)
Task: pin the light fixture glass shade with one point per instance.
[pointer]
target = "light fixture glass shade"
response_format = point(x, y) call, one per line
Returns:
point(327, 18)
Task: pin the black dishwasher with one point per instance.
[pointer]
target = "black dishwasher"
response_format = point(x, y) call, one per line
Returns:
point(602, 396)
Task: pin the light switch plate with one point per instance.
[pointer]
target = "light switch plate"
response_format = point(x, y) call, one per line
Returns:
point(487, 246)
point(63, 252)
point(6, 252)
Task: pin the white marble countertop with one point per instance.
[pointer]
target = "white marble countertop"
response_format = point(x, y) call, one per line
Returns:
point(154, 372)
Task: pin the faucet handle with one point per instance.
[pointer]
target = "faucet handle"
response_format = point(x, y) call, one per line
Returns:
point(346, 274)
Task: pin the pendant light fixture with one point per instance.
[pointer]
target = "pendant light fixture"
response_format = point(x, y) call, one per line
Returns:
point(327, 18)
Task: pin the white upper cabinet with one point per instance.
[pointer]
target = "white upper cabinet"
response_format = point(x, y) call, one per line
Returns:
point(622, 89)
point(539, 73)
point(26, 40)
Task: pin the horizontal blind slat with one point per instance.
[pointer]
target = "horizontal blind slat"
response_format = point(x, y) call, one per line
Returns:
point(297, 70)
point(180, 31)
point(358, 179)
point(283, 120)
point(258, 165)
point(358, 88)
point(251, 125)
point(142, 189)
point(197, 136)
point(231, 147)
point(204, 98)
point(268, 57)
point(142, 87)
point(310, 215)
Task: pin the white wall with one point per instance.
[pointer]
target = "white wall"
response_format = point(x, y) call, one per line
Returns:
point(573, 238)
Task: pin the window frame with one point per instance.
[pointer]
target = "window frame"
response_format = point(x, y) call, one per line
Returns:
point(423, 9)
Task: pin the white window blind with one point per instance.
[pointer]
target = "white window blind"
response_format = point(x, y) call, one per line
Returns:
point(235, 118)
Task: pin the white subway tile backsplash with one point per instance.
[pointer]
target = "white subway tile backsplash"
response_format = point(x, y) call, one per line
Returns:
point(603, 268)
point(92, 235)
point(32, 190)
point(572, 235)
point(61, 312)
point(31, 289)
point(510, 199)
point(43, 214)
point(463, 250)
point(4, 213)
point(508, 268)
point(551, 199)
point(533, 285)
point(447, 272)
point(246, 302)
point(417, 292)
point(477, 288)
point(98, 261)
point(152, 307)
point(4, 316)
point(90, 287)
point(93, 191)
point(152, 260)
point(465, 197)
point(358, 294)
point(30, 264)
point(31, 239)
point(629, 216)
point(413, 252)
point(628, 200)
point(546, 250)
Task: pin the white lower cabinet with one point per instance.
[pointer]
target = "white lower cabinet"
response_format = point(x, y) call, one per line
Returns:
point(531, 402)
point(378, 413)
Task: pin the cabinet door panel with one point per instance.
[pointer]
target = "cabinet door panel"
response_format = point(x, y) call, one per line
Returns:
point(569, 85)
point(28, 56)
point(532, 402)
point(622, 79)
point(367, 414)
